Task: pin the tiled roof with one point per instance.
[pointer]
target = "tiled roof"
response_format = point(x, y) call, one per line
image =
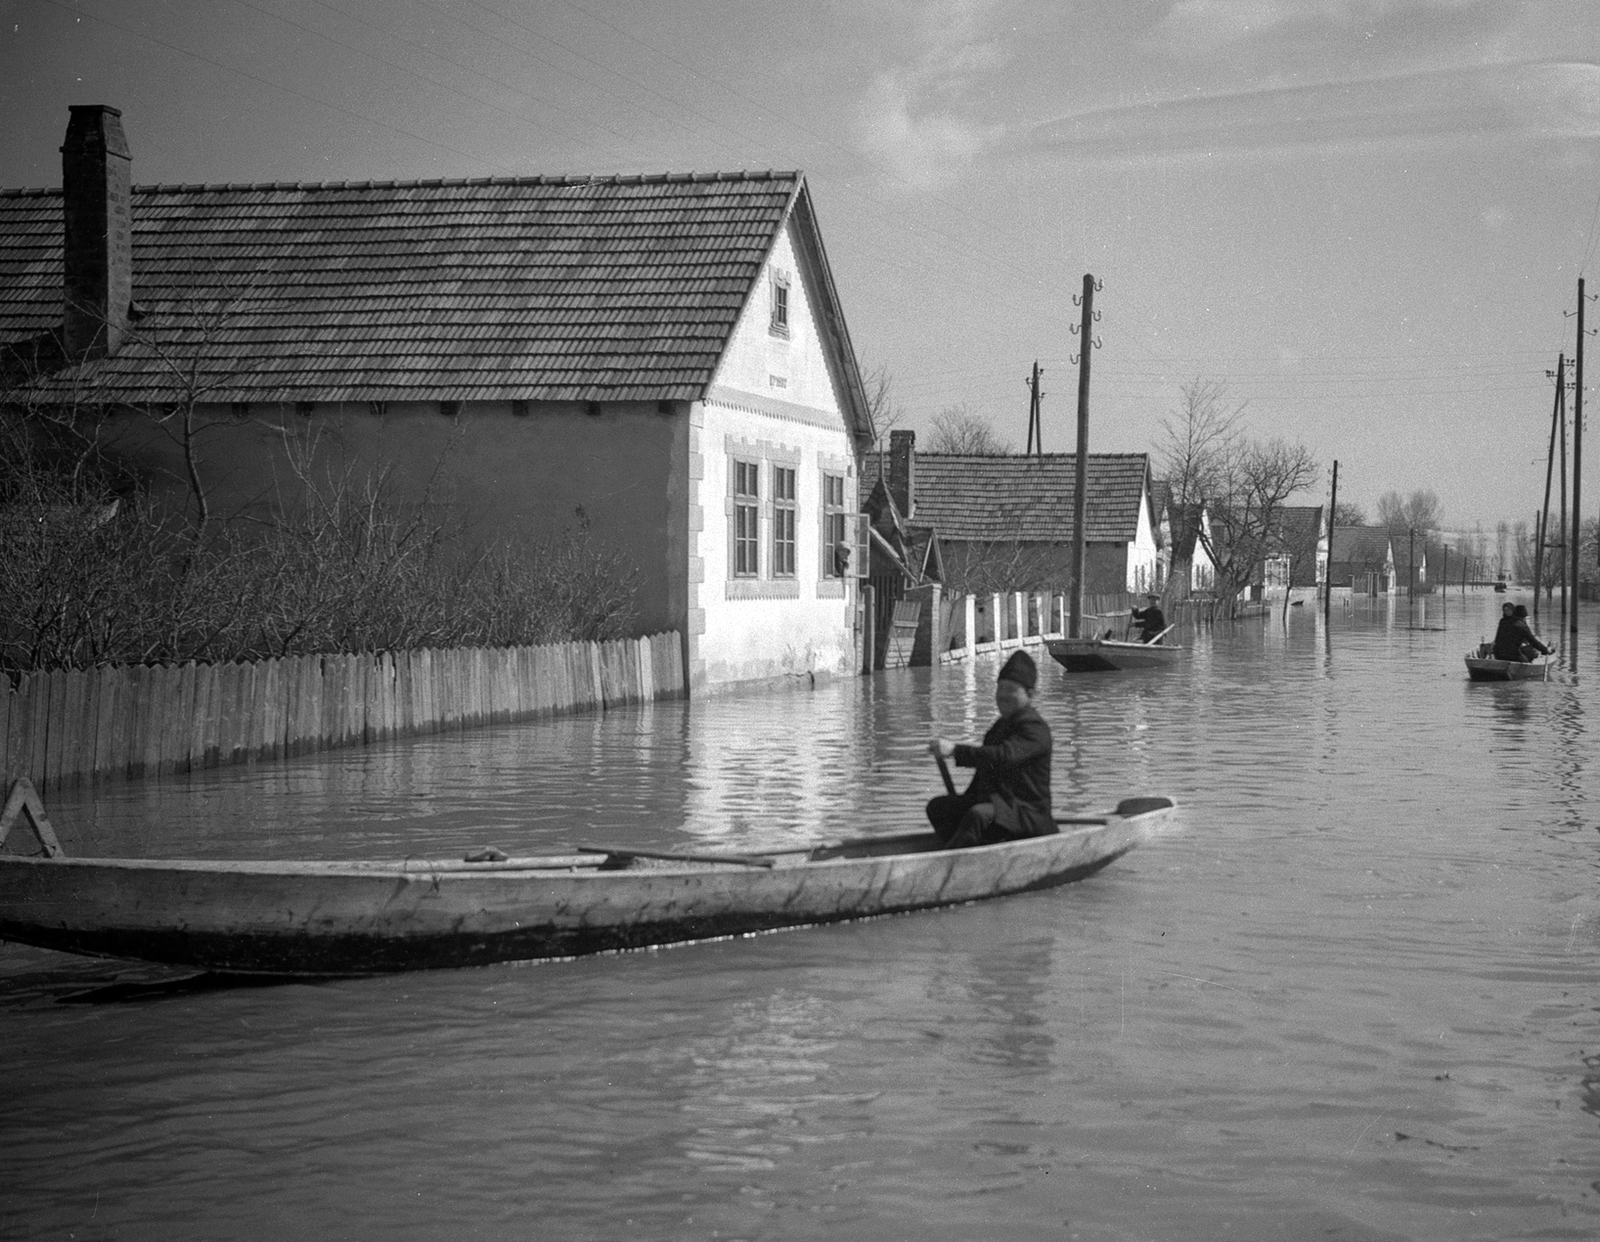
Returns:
point(1359, 545)
point(1026, 499)
point(537, 288)
point(1300, 526)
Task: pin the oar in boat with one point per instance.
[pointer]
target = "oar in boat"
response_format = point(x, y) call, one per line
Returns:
point(738, 860)
point(944, 772)
point(1151, 641)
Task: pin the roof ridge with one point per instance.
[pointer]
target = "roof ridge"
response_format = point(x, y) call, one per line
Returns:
point(1025, 457)
point(569, 179)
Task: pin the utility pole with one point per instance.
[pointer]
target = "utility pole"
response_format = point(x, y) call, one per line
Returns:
point(1542, 527)
point(1080, 499)
point(1561, 516)
point(1035, 426)
point(1577, 463)
point(1327, 586)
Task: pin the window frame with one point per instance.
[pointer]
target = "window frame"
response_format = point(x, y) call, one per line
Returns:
point(835, 525)
point(744, 528)
point(778, 319)
point(785, 540)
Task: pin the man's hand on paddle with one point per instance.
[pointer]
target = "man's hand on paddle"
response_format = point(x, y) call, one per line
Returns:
point(943, 749)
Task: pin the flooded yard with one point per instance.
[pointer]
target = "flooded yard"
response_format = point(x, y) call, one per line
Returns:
point(1350, 992)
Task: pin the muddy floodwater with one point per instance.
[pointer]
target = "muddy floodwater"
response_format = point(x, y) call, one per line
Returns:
point(1352, 992)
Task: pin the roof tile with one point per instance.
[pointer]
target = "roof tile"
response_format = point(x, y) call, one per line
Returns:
point(1025, 498)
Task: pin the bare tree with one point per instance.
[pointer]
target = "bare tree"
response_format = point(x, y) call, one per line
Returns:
point(956, 429)
point(1347, 513)
point(887, 413)
point(1522, 558)
point(1199, 438)
point(1418, 512)
point(1255, 481)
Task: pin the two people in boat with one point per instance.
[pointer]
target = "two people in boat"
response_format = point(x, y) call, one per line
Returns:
point(1009, 797)
point(1152, 621)
point(1514, 638)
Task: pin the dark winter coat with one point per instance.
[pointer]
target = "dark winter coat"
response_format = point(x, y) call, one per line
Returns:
point(1013, 773)
point(1152, 621)
point(1508, 639)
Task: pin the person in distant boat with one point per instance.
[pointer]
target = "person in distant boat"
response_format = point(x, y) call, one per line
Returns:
point(1151, 619)
point(1531, 648)
point(1009, 797)
point(1507, 636)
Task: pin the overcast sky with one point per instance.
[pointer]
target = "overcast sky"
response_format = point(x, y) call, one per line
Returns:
point(1367, 217)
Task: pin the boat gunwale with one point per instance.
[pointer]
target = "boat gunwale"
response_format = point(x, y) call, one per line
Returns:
point(588, 866)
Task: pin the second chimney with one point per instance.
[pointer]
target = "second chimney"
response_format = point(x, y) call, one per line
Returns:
point(903, 471)
point(97, 255)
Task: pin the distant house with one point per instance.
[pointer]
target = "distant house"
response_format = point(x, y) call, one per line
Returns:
point(1361, 560)
point(661, 359)
point(1426, 553)
point(1005, 523)
point(1297, 559)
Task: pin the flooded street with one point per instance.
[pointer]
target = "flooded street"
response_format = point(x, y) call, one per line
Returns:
point(1351, 992)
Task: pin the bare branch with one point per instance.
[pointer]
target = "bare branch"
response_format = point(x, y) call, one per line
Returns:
point(957, 429)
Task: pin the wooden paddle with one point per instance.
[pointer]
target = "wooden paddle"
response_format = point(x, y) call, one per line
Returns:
point(1161, 635)
point(944, 771)
point(738, 860)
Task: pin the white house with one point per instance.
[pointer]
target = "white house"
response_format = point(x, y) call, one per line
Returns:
point(661, 359)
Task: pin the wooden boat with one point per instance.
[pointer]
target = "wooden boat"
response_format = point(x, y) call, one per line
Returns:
point(353, 918)
point(1482, 666)
point(1109, 655)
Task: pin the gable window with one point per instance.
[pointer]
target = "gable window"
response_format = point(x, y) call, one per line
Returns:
point(783, 519)
point(834, 536)
point(746, 513)
point(780, 303)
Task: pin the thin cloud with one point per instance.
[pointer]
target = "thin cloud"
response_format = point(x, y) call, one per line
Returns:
point(912, 116)
point(1202, 27)
point(1553, 99)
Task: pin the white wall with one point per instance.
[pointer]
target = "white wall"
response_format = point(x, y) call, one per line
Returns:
point(1143, 555)
point(773, 400)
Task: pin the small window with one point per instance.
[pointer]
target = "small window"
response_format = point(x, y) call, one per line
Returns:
point(746, 510)
point(783, 518)
point(780, 303)
point(835, 533)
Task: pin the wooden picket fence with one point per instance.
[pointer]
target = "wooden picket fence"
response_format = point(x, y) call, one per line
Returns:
point(60, 728)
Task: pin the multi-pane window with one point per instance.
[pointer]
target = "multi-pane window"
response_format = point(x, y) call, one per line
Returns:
point(783, 510)
point(834, 531)
point(780, 303)
point(746, 511)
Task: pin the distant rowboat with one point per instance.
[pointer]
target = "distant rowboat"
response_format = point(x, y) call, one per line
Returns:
point(1109, 655)
point(1482, 666)
point(354, 918)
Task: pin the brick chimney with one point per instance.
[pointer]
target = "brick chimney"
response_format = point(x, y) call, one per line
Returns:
point(97, 256)
point(903, 470)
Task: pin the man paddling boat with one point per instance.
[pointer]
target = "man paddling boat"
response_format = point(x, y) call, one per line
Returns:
point(1009, 797)
point(1152, 622)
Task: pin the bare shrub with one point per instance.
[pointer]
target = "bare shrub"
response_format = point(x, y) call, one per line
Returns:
point(93, 577)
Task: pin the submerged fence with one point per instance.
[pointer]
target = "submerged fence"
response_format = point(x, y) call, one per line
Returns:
point(59, 728)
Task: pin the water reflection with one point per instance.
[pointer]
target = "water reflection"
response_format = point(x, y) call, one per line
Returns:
point(1006, 984)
